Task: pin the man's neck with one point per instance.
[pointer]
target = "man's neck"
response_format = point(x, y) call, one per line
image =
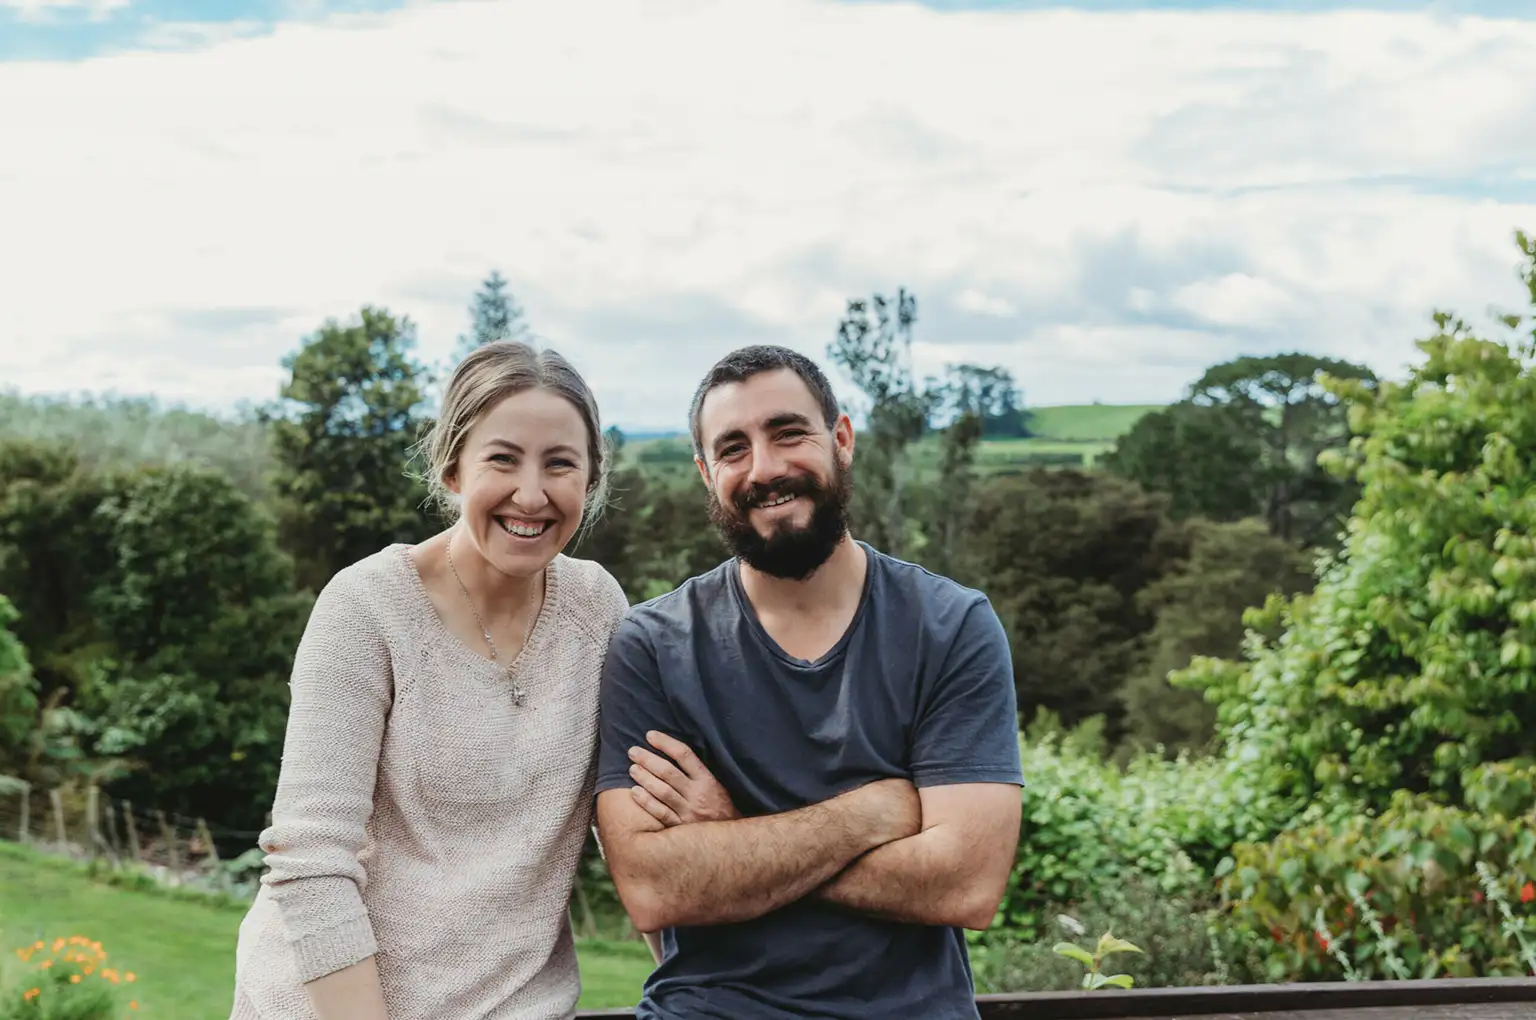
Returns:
point(835, 584)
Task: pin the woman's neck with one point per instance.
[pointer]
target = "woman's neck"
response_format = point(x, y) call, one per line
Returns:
point(496, 594)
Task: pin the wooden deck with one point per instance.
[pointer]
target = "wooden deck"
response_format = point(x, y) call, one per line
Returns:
point(1446, 999)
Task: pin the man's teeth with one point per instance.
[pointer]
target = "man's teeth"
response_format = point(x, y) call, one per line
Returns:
point(522, 530)
point(777, 502)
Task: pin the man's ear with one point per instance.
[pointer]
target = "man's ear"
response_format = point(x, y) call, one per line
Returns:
point(703, 470)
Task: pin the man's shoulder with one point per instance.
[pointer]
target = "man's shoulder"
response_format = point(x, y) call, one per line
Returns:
point(912, 582)
point(684, 606)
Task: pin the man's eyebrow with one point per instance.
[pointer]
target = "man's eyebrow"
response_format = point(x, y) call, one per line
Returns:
point(776, 421)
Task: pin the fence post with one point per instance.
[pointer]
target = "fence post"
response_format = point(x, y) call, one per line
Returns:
point(133, 831)
point(113, 839)
point(207, 838)
point(92, 801)
point(170, 840)
point(26, 813)
point(58, 815)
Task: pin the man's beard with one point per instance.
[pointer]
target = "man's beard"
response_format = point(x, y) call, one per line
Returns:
point(789, 552)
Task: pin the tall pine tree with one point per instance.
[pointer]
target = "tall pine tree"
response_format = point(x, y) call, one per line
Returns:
point(494, 315)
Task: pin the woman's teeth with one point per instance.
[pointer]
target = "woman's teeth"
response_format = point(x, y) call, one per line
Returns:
point(522, 530)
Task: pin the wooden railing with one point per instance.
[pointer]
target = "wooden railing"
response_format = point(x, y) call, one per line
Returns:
point(1442, 999)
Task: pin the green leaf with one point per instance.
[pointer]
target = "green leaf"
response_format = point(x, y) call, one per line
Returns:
point(1073, 952)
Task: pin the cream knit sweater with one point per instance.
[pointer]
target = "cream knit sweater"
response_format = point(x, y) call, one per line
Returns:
point(421, 816)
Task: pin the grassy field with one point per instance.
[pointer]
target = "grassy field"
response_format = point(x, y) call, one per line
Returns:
point(1070, 433)
point(183, 951)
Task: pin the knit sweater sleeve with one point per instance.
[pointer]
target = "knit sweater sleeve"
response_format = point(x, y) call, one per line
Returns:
point(341, 694)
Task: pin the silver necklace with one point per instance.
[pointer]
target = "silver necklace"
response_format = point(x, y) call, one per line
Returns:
point(506, 671)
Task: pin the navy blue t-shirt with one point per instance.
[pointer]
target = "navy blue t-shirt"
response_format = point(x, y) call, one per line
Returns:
point(920, 686)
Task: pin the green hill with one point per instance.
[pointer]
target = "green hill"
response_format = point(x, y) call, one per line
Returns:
point(1074, 434)
point(1102, 423)
point(182, 950)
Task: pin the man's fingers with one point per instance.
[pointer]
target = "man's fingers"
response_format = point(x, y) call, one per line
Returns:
point(656, 788)
point(678, 752)
point(658, 810)
point(658, 766)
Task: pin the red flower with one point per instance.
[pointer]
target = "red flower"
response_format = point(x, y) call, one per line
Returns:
point(1477, 897)
point(1322, 940)
point(1528, 892)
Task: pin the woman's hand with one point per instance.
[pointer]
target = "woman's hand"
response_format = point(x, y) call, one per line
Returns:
point(675, 794)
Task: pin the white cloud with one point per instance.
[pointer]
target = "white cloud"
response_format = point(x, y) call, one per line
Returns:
point(1105, 202)
point(43, 10)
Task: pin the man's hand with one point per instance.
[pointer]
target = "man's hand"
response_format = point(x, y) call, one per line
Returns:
point(674, 794)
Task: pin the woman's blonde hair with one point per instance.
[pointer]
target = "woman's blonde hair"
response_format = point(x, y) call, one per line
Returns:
point(487, 375)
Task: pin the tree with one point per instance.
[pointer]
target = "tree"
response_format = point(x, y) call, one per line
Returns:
point(51, 543)
point(991, 394)
point(1410, 667)
point(18, 695)
point(1063, 554)
point(200, 621)
point(494, 315)
point(874, 346)
point(343, 437)
point(1198, 608)
point(1247, 439)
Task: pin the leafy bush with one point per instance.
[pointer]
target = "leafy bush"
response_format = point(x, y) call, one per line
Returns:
point(1413, 892)
point(69, 979)
point(1174, 933)
point(1414, 660)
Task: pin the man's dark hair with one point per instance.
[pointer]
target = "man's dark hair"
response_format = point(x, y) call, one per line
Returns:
point(745, 362)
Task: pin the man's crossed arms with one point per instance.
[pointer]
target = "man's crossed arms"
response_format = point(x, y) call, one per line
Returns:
point(682, 855)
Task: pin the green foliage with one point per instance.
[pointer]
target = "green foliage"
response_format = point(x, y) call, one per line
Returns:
point(109, 433)
point(1087, 826)
point(1246, 441)
point(1062, 555)
point(343, 437)
point(66, 979)
point(1202, 457)
point(1197, 609)
point(1107, 946)
point(18, 695)
point(1412, 662)
point(1393, 895)
point(199, 610)
point(1181, 948)
point(494, 315)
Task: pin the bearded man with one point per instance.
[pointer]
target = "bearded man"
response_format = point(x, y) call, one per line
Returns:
point(808, 784)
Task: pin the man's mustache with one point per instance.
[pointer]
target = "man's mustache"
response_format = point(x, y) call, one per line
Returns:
point(759, 493)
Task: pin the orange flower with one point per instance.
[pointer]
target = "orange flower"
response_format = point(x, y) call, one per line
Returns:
point(30, 994)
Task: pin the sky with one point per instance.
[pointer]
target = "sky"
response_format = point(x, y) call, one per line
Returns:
point(1104, 197)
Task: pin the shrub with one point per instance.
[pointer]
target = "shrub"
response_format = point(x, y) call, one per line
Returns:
point(1421, 890)
point(67, 979)
point(1174, 933)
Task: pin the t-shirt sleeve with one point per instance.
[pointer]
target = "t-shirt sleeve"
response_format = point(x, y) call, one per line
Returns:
point(632, 703)
point(968, 726)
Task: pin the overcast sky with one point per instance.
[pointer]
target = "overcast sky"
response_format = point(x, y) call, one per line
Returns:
point(1104, 198)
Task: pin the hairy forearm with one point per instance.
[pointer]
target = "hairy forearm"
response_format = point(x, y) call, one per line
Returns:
point(730, 871)
point(924, 879)
point(353, 993)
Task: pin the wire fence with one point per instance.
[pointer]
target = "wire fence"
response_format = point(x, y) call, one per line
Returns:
point(86, 825)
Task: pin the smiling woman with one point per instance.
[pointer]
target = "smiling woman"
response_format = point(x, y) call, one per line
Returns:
point(443, 724)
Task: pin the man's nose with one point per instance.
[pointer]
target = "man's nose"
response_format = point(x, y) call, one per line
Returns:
point(767, 464)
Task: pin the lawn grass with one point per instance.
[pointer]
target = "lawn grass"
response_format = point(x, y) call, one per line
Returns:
point(183, 950)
